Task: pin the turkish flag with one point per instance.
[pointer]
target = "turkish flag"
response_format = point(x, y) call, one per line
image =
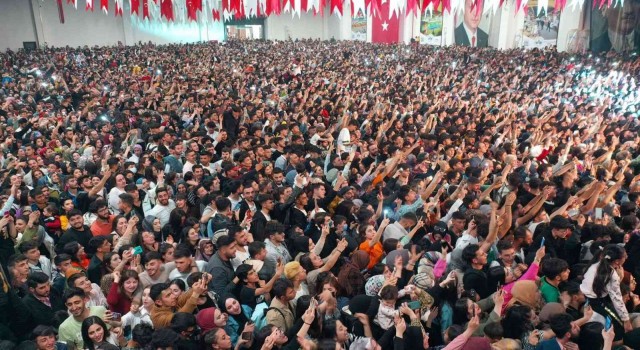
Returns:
point(135, 7)
point(385, 29)
point(145, 9)
point(193, 6)
point(166, 9)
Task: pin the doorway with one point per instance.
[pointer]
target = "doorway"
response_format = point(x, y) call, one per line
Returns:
point(246, 29)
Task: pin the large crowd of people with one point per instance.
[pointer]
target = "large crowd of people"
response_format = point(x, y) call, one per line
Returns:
point(318, 195)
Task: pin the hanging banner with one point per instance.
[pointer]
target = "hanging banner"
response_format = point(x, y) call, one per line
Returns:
point(431, 26)
point(540, 27)
point(616, 27)
point(359, 26)
point(472, 26)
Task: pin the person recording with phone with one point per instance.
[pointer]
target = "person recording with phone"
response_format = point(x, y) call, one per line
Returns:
point(601, 286)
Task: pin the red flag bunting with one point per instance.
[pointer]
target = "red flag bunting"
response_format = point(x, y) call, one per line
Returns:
point(104, 5)
point(89, 5)
point(193, 6)
point(60, 11)
point(424, 5)
point(375, 8)
point(385, 29)
point(304, 5)
point(166, 9)
point(118, 8)
point(273, 6)
point(216, 15)
point(336, 6)
point(320, 8)
point(135, 7)
point(145, 9)
point(412, 7)
point(366, 6)
point(284, 4)
point(73, 2)
point(518, 6)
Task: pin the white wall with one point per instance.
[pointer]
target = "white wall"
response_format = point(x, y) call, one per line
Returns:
point(79, 27)
point(570, 20)
point(308, 26)
point(16, 24)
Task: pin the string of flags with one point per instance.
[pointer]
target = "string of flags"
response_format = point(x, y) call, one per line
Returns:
point(219, 10)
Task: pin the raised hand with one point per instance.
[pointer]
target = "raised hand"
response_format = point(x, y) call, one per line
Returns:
point(540, 253)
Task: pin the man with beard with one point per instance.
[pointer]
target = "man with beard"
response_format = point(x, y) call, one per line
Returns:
point(103, 225)
point(77, 231)
point(219, 266)
point(154, 270)
point(247, 203)
point(278, 177)
point(522, 239)
point(164, 206)
point(260, 218)
point(42, 302)
point(621, 31)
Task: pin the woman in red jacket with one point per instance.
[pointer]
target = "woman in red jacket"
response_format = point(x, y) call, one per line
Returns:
point(123, 290)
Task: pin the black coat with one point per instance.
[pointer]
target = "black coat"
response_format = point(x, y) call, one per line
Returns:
point(258, 223)
point(461, 37)
point(42, 314)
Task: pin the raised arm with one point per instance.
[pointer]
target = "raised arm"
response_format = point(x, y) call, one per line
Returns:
point(267, 287)
point(493, 232)
point(97, 188)
point(376, 238)
point(334, 256)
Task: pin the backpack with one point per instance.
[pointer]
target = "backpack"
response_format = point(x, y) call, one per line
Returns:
point(259, 316)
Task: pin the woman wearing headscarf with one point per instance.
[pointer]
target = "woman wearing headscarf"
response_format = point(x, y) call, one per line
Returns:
point(239, 316)
point(205, 250)
point(526, 293)
point(351, 277)
point(153, 225)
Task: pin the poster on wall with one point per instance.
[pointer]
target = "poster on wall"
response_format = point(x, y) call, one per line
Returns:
point(472, 26)
point(431, 26)
point(540, 27)
point(359, 26)
point(616, 28)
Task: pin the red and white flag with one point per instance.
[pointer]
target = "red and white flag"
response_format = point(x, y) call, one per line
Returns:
point(135, 7)
point(336, 7)
point(216, 15)
point(119, 8)
point(193, 6)
point(385, 27)
point(104, 6)
point(145, 9)
point(89, 6)
point(412, 7)
point(74, 2)
point(166, 9)
point(272, 7)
